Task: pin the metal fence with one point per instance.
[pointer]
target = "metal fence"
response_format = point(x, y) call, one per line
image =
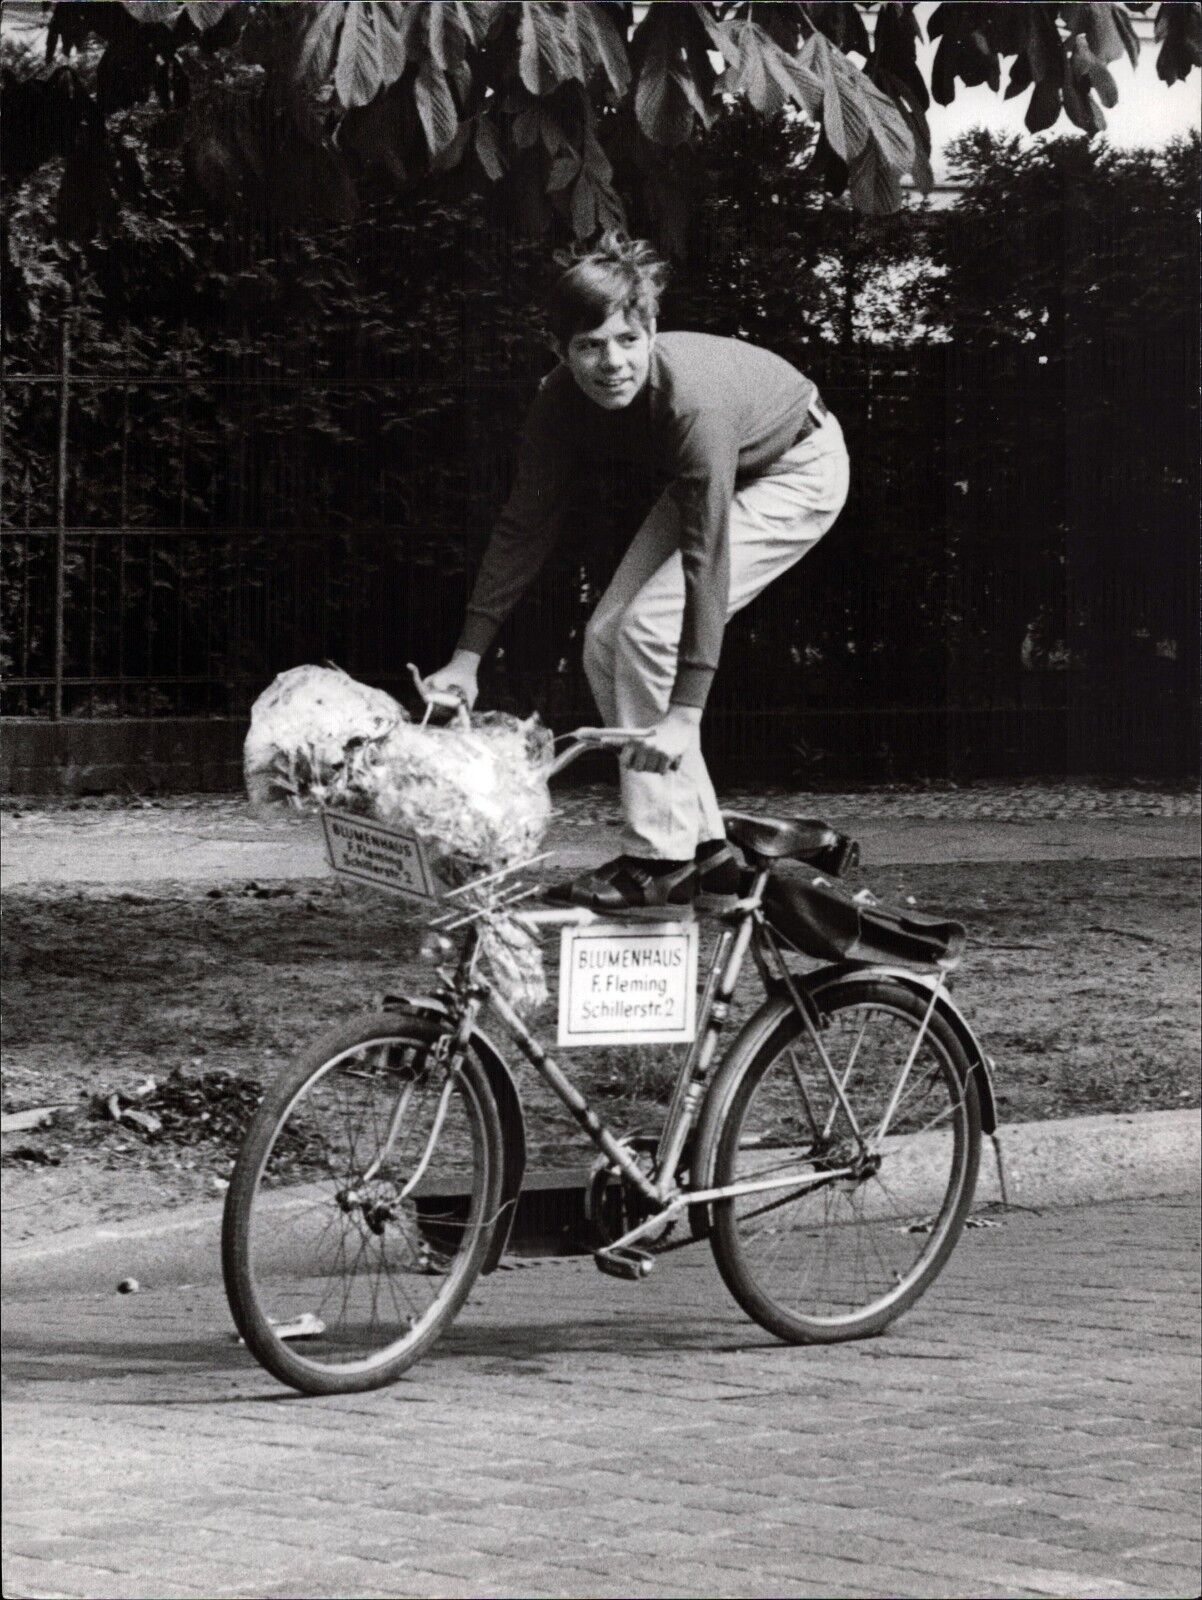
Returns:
point(1011, 589)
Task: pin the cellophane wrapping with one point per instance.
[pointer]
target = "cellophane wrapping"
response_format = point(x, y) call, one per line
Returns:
point(301, 729)
point(477, 795)
point(515, 961)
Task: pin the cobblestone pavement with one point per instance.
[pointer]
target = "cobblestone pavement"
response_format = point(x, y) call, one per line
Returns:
point(1030, 1429)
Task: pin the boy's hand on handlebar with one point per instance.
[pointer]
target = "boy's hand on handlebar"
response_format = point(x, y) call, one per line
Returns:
point(457, 677)
point(663, 748)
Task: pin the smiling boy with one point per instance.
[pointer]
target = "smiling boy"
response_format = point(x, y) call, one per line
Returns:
point(756, 472)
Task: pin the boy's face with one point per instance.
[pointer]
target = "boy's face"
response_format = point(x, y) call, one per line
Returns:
point(610, 362)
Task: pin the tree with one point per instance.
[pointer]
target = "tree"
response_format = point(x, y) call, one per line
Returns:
point(577, 116)
point(1068, 291)
point(1068, 245)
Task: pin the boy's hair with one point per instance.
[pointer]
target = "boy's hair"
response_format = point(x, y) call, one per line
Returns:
point(617, 274)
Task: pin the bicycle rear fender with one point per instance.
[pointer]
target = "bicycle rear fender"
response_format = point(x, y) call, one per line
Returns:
point(760, 1026)
point(922, 984)
point(509, 1108)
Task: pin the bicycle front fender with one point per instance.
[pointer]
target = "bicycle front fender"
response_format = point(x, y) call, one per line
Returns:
point(509, 1107)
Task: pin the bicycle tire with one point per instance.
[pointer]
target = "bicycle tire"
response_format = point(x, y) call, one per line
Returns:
point(308, 1228)
point(844, 1258)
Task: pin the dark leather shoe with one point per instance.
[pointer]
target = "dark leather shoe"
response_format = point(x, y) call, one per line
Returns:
point(625, 885)
point(720, 881)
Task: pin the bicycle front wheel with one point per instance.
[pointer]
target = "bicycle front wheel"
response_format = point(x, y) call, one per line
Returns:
point(852, 1237)
point(362, 1205)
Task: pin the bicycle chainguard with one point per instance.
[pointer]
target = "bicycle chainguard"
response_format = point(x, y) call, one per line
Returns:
point(624, 1261)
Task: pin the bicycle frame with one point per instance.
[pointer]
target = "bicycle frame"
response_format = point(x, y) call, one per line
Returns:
point(745, 927)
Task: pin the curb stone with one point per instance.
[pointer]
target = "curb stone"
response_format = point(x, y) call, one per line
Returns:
point(1071, 1162)
point(157, 861)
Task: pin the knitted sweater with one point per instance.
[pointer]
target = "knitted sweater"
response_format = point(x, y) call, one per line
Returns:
point(714, 413)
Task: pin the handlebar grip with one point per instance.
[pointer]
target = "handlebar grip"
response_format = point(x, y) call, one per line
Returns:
point(608, 735)
point(450, 698)
point(582, 739)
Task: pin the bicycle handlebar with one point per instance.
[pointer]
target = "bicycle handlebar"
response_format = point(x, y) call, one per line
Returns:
point(605, 736)
point(453, 702)
point(593, 739)
point(450, 701)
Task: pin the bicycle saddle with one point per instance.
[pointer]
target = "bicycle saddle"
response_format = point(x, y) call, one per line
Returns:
point(802, 839)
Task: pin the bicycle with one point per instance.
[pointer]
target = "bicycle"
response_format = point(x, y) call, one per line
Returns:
point(830, 1159)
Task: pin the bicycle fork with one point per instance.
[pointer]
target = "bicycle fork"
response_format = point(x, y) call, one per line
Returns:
point(446, 1052)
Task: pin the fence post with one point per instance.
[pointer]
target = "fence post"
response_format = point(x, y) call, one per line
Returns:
point(60, 520)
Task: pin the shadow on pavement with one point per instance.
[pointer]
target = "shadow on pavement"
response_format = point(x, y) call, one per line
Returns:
point(54, 1360)
point(512, 1348)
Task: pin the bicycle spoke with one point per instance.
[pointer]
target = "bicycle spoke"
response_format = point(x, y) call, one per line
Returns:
point(851, 1062)
point(377, 1266)
point(924, 1086)
point(834, 1256)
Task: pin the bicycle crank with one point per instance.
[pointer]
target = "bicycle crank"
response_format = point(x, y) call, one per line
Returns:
point(613, 1206)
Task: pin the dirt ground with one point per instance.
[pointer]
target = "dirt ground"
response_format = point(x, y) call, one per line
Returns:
point(1081, 977)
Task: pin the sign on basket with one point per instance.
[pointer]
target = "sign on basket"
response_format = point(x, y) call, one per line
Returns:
point(387, 858)
point(625, 984)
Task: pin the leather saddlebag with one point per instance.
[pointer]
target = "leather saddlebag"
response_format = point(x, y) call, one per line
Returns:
point(826, 923)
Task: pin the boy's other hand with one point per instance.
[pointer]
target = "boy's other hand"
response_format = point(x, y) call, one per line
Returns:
point(457, 677)
point(665, 746)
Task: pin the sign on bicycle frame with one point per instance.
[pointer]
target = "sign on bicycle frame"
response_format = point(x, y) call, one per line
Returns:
point(625, 983)
point(387, 858)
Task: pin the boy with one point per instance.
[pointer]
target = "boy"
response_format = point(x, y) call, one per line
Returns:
point(757, 472)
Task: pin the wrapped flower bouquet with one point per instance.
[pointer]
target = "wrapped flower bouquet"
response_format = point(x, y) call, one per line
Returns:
point(476, 792)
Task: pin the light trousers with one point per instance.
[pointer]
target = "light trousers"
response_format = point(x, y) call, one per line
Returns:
point(632, 639)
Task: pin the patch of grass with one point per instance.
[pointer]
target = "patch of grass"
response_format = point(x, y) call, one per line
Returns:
point(640, 1072)
point(101, 992)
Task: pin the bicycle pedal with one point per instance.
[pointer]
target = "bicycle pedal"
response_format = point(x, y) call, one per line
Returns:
point(626, 1262)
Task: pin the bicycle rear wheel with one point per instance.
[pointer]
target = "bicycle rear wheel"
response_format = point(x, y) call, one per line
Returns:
point(363, 1202)
point(837, 1258)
